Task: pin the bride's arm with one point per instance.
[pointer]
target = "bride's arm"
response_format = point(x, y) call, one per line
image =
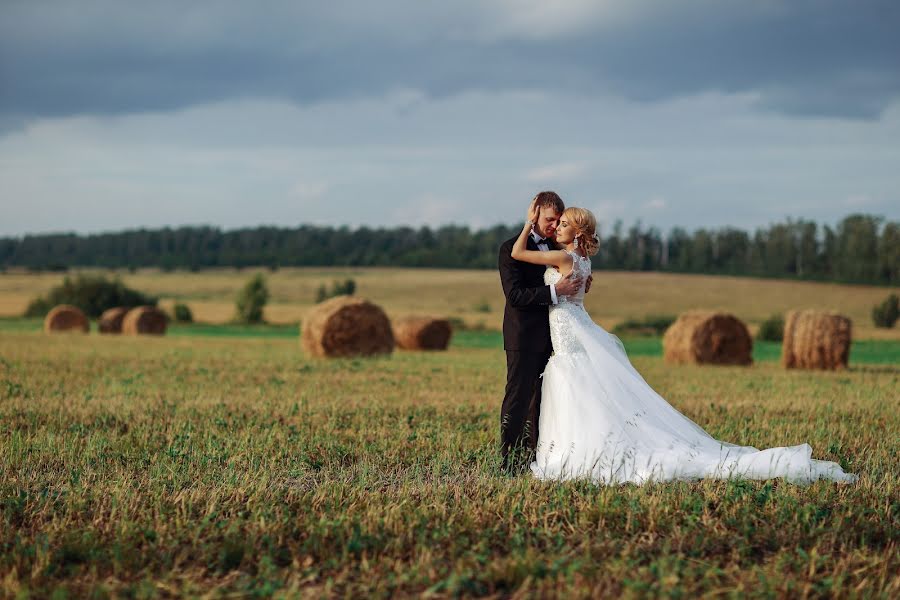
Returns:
point(554, 258)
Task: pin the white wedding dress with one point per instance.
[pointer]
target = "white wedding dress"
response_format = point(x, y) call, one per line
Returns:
point(600, 420)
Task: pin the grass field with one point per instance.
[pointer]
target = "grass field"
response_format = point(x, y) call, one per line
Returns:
point(198, 465)
point(220, 461)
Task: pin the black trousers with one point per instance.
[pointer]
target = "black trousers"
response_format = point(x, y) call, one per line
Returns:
point(521, 406)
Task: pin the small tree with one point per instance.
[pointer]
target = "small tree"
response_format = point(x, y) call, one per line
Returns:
point(321, 294)
point(251, 300)
point(338, 288)
point(182, 313)
point(771, 330)
point(345, 289)
point(93, 294)
point(886, 313)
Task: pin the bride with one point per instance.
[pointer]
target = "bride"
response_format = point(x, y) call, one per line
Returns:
point(599, 419)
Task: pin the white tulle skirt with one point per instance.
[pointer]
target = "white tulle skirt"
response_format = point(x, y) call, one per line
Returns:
point(600, 420)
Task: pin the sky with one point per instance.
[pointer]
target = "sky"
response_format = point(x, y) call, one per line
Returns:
point(695, 113)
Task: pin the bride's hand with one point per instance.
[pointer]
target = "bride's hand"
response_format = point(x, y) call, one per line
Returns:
point(534, 212)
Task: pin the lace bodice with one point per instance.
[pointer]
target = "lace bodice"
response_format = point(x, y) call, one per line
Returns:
point(581, 266)
point(569, 309)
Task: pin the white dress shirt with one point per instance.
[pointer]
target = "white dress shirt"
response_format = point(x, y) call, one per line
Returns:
point(544, 248)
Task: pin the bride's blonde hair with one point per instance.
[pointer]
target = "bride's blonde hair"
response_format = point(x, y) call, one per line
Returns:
point(586, 227)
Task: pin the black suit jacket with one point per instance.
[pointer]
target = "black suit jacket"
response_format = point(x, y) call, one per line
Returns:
point(526, 327)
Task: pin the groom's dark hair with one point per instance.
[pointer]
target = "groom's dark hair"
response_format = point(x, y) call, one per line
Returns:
point(548, 199)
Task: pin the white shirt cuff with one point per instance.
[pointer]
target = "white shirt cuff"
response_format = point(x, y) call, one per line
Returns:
point(553, 293)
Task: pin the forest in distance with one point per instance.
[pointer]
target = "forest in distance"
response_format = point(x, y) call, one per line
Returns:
point(860, 248)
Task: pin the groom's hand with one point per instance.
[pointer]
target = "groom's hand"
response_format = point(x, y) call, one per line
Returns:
point(568, 285)
point(587, 285)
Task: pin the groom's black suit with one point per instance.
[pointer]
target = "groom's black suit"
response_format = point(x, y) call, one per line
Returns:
point(526, 339)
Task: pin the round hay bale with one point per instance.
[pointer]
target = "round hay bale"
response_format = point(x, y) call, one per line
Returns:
point(111, 319)
point(66, 318)
point(707, 337)
point(422, 333)
point(816, 340)
point(144, 320)
point(346, 326)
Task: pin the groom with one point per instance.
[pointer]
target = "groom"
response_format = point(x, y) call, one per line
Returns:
point(526, 334)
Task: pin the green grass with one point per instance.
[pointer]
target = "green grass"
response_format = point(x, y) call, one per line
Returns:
point(20, 325)
point(234, 330)
point(17, 324)
point(883, 352)
point(226, 467)
point(878, 352)
point(886, 352)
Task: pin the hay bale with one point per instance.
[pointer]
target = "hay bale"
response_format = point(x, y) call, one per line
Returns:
point(111, 319)
point(346, 326)
point(144, 320)
point(422, 333)
point(707, 337)
point(816, 340)
point(66, 318)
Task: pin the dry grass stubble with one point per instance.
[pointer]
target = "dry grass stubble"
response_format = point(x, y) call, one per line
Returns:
point(203, 466)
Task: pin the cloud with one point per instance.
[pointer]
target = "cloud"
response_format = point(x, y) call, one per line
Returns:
point(405, 158)
point(805, 57)
point(859, 201)
point(657, 203)
point(541, 21)
point(557, 173)
point(428, 209)
point(607, 212)
point(309, 191)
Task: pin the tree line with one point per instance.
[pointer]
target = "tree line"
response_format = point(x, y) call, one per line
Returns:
point(861, 248)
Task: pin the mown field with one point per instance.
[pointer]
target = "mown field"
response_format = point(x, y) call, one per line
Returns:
point(475, 297)
point(220, 461)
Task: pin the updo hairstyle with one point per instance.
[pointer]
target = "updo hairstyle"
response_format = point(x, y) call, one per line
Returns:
point(586, 227)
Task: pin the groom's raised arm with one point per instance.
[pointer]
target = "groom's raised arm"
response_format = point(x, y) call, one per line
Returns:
point(517, 295)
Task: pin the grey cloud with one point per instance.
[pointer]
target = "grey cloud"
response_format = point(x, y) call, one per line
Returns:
point(827, 57)
point(474, 158)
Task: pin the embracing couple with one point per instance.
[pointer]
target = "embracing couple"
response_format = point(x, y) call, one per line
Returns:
point(574, 406)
